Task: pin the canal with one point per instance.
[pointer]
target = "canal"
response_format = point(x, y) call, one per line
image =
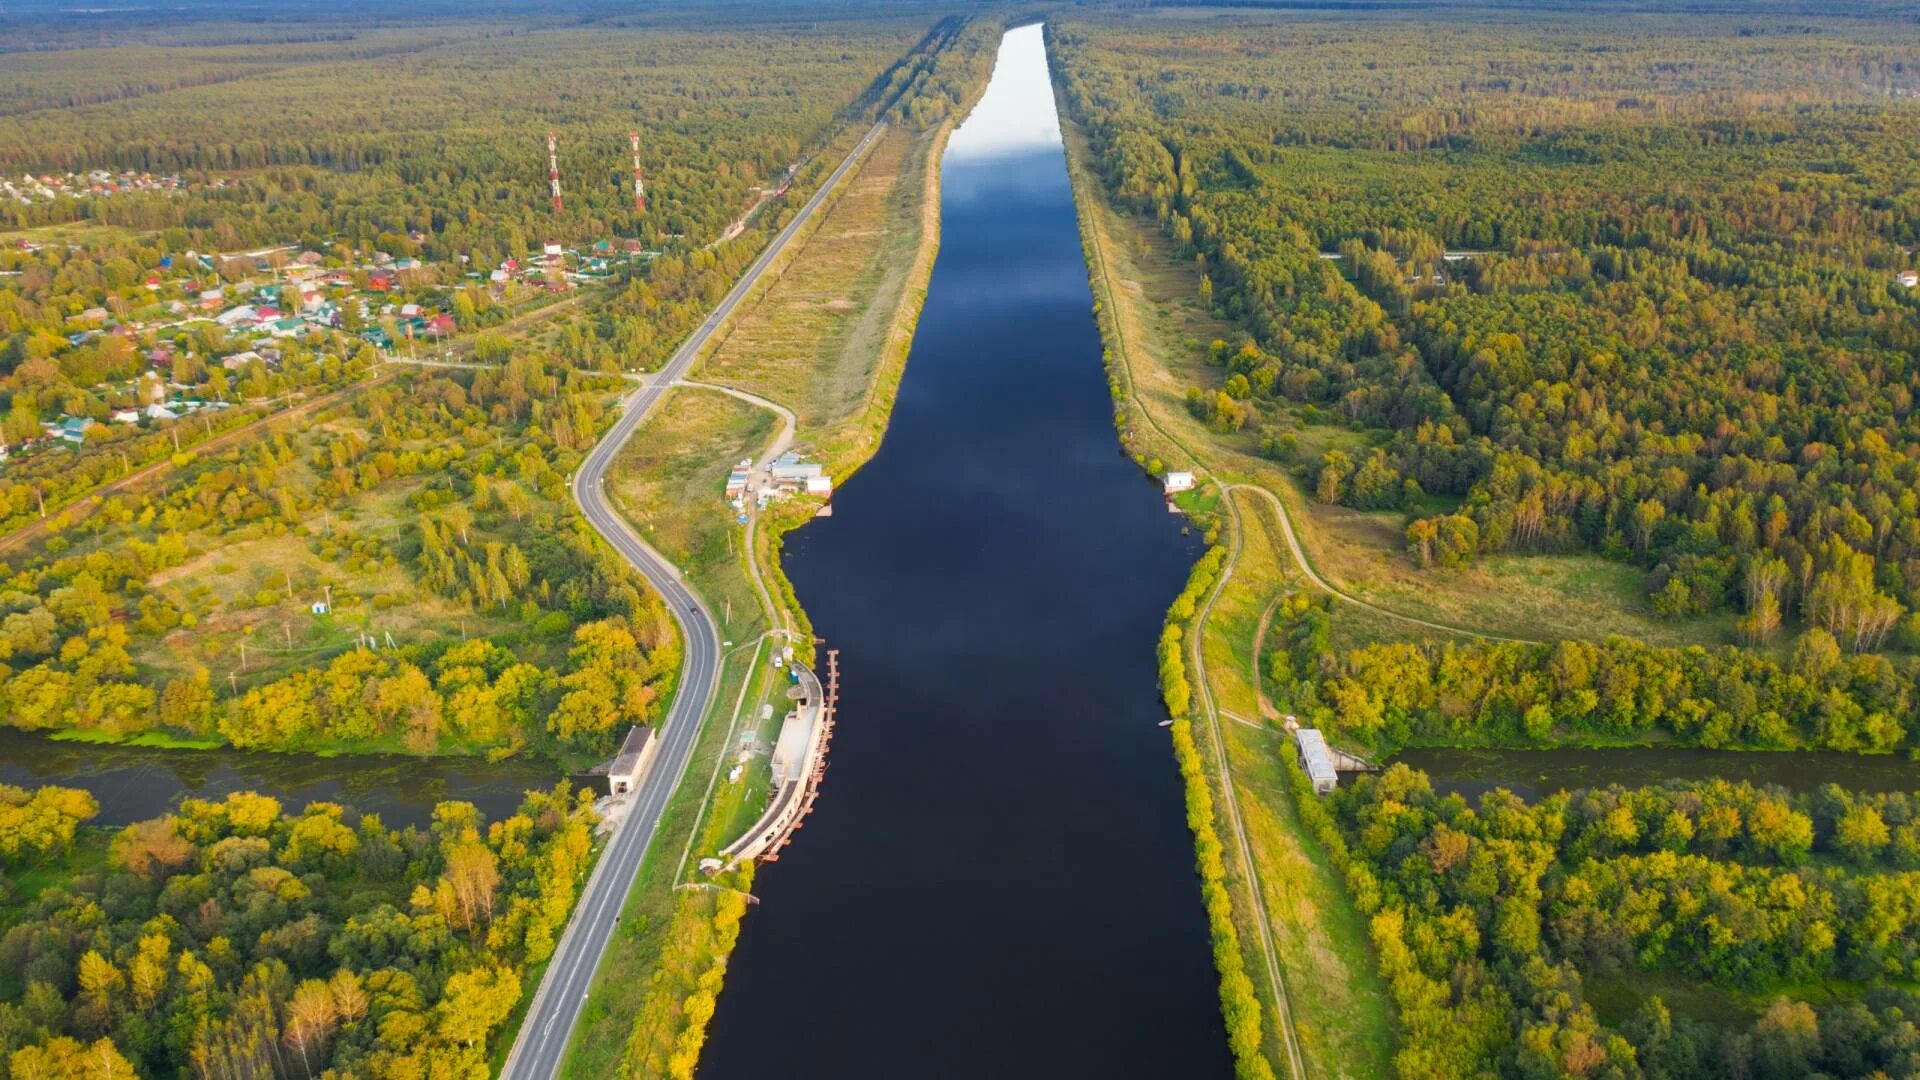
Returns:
point(998, 879)
point(134, 783)
point(1473, 771)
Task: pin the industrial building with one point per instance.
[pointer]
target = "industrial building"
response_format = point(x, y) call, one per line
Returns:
point(623, 775)
point(1317, 760)
point(788, 470)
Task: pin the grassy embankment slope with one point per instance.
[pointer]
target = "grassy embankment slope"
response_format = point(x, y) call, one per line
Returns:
point(826, 337)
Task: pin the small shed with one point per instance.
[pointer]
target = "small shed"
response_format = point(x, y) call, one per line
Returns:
point(1317, 760)
point(1177, 482)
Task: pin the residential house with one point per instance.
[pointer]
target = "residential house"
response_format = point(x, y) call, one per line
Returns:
point(236, 316)
point(72, 429)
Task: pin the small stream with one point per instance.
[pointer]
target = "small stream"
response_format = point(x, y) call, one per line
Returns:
point(134, 783)
point(1473, 771)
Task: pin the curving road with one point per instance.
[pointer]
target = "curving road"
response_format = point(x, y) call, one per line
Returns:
point(541, 1045)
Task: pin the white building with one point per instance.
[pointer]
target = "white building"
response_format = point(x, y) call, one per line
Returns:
point(636, 751)
point(1177, 482)
point(1317, 760)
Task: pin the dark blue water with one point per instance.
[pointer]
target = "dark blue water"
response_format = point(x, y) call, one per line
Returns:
point(998, 879)
point(134, 783)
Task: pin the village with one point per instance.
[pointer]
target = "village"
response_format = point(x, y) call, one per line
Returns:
point(240, 314)
point(93, 183)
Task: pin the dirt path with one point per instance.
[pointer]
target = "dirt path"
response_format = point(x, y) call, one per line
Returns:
point(1296, 1063)
point(1300, 560)
point(78, 510)
point(1267, 711)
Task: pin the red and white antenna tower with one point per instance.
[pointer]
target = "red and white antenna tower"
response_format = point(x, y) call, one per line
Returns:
point(639, 189)
point(553, 171)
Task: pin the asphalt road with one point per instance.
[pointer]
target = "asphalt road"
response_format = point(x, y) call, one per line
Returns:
point(540, 1047)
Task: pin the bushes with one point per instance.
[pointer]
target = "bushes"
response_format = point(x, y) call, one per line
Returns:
point(671, 1026)
point(1239, 1004)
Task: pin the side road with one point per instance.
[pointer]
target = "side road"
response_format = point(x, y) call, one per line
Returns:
point(541, 1045)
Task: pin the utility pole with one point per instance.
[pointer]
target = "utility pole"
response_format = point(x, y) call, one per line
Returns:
point(233, 685)
point(243, 656)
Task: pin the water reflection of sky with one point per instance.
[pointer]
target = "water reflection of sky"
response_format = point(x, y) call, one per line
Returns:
point(1016, 114)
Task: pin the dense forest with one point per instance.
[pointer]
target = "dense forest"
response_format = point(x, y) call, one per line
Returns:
point(231, 939)
point(1490, 921)
point(440, 130)
point(1630, 283)
point(1632, 288)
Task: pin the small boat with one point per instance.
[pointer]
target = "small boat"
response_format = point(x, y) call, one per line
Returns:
point(1166, 723)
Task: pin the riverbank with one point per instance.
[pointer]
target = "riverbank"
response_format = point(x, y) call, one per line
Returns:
point(1282, 916)
point(825, 335)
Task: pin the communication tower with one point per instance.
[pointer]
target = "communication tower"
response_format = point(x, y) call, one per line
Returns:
point(639, 188)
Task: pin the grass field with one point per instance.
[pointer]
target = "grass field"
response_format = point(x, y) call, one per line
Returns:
point(669, 482)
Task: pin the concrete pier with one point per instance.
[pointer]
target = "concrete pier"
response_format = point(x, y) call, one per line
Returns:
point(799, 762)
